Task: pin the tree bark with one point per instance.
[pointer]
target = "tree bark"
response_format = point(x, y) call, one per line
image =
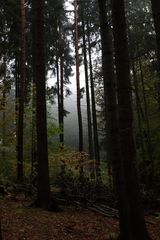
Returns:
point(138, 109)
point(89, 122)
point(94, 116)
point(149, 142)
point(58, 90)
point(34, 137)
point(80, 125)
point(61, 104)
point(112, 128)
point(128, 150)
point(43, 186)
point(21, 95)
point(4, 110)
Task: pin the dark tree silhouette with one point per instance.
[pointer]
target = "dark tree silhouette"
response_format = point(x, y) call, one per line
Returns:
point(89, 121)
point(43, 187)
point(80, 125)
point(127, 144)
point(21, 83)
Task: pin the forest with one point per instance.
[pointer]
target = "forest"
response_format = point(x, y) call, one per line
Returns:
point(79, 120)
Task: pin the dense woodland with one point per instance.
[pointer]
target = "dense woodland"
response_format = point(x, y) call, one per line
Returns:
point(111, 51)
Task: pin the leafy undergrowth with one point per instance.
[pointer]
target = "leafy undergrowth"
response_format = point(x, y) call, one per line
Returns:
point(22, 223)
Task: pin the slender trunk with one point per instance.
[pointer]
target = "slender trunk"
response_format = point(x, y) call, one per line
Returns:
point(89, 122)
point(4, 112)
point(34, 140)
point(16, 103)
point(149, 142)
point(94, 116)
point(112, 128)
point(58, 89)
point(60, 99)
point(126, 120)
point(61, 105)
point(80, 125)
point(34, 137)
point(60, 118)
point(21, 95)
point(138, 107)
point(43, 186)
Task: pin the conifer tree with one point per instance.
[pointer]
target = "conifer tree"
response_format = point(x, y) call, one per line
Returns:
point(43, 185)
point(127, 145)
point(21, 85)
point(89, 121)
point(80, 125)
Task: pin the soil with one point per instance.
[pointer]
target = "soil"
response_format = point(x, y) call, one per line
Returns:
point(22, 223)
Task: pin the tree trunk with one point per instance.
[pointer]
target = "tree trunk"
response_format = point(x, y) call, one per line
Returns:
point(61, 105)
point(80, 125)
point(156, 17)
point(126, 120)
point(34, 137)
point(112, 128)
point(89, 122)
point(4, 112)
point(58, 89)
point(149, 142)
point(16, 75)
point(21, 95)
point(138, 107)
point(43, 186)
point(94, 116)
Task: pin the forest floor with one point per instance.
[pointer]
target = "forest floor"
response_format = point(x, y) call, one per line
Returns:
point(22, 223)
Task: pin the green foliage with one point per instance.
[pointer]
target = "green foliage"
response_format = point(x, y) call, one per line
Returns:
point(53, 130)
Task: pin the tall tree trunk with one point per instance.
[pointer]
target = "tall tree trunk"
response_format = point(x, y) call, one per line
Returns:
point(149, 142)
point(43, 186)
point(94, 116)
point(16, 75)
point(112, 133)
point(156, 17)
point(89, 122)
point(125, 120)
point(138, 107)
point(21, 95)
point(34, 170)
point(80, 125)
point(58, 88)
point(4, 111)
point(34, 139)
point(61, 105)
